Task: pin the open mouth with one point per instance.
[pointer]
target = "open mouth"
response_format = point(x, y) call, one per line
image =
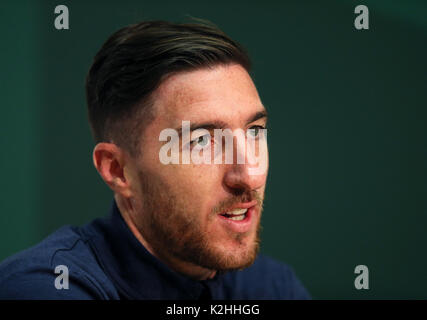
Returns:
point(240, 219)
point(236, 214)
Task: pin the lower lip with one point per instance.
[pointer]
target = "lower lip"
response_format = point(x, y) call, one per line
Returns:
point(239, 226)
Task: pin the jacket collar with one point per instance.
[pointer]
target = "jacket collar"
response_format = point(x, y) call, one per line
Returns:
point(136, 273)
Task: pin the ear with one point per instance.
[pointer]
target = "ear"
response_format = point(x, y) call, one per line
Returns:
point(110, 161)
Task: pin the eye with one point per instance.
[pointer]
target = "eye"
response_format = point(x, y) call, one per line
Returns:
point(201, 141)
point(255, 131)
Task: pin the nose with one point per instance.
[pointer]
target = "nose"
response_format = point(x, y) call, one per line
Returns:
point(245, 176)
point(238, 180)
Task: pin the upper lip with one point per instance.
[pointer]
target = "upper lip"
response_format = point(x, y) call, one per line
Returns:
point(242, 205)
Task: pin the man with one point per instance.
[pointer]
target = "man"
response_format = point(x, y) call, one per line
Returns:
point(181, 229)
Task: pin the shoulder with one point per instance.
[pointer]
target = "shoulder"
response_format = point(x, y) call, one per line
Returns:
point(40, 271)
point(266, 278)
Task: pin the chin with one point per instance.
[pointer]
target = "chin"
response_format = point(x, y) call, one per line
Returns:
point(236, 263)
point(236, 255)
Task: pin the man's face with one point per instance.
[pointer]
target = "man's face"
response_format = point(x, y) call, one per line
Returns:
point(181, 211)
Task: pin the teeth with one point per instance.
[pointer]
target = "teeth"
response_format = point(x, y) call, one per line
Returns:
point(238, 218)
point(236, 212)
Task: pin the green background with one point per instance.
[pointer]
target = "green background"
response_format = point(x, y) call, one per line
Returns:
point(347, 133)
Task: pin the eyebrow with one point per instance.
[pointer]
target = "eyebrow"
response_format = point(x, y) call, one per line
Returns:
point(257, 116)
point(219, 124)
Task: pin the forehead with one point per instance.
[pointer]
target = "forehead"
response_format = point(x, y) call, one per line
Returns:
point(224, 92)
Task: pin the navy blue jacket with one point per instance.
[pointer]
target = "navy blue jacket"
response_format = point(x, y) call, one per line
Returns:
point(106, 261)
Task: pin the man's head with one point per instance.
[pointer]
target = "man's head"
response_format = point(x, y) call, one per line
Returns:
point(152, 76)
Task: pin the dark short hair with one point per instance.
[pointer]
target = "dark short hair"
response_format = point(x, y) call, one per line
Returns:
point(135, 60)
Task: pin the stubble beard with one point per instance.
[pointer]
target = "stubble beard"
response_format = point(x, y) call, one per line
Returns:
point(173, 229)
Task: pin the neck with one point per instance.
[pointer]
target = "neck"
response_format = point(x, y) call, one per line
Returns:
point(129, 212)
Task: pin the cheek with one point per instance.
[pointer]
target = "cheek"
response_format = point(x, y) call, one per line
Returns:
point(203, 185)
point(198, 184)
point(191, 176)
point(195, 184)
